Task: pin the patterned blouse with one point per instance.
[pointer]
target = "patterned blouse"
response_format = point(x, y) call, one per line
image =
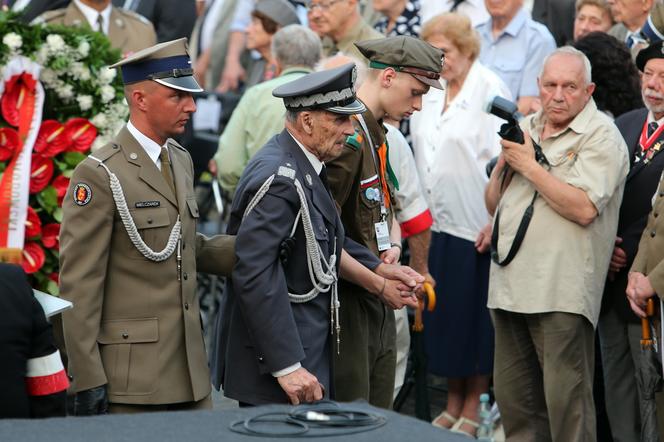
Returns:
point(408, 23)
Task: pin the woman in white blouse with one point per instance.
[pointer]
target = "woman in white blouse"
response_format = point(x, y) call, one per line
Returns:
point(453, 139)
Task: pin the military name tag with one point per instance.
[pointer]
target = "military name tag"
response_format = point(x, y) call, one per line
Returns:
point(382, 236)
point(143, 204)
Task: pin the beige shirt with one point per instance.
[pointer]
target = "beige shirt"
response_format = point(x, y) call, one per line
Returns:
point(562, 266)
point(361, 31)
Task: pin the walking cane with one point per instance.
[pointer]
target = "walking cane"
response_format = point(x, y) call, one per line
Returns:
point(646, 337)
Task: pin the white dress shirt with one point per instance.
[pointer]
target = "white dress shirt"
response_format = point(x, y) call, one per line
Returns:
point(92, 14)
point(151, 147)
point(452, 148)
point(473, 9)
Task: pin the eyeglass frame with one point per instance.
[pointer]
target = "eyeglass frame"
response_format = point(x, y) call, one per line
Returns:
point(324, 7)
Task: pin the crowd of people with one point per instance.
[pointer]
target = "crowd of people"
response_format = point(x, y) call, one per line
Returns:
point(362, 130)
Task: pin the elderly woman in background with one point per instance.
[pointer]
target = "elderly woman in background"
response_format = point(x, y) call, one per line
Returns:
point(453, 139)
point(267, 18)
point(592, 16)
point(617, 81)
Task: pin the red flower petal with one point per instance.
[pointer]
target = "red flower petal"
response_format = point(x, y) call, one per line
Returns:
point(82, 133)
point(9, 143)
point(61, 183)
point(33, 225)
point(51, 236)
point(33, 257)
point(41, 172)
point(55, 277)
point(15, 91)
point(51, 139)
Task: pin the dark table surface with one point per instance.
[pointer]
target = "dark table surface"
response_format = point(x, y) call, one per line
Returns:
point(206, 426)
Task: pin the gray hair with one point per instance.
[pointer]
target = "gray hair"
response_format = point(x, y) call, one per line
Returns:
point(296, 45)
point(340, 59)
point(569, 50)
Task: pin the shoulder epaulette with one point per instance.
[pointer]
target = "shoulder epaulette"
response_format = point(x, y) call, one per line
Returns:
point(355, 140)
point(286, 171)
point(172, 142)
point(106, 151)
point(134, 15)
point(49, 16)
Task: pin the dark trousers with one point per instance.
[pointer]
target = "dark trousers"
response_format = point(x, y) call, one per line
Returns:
point(543, 376)
point(366, 364)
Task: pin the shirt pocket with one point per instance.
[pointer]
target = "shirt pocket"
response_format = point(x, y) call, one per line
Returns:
point(511, 72)
point(154, 227)
point(130, 354)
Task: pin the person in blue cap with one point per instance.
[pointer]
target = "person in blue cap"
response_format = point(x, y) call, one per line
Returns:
point(280, 321)
point(129, 253)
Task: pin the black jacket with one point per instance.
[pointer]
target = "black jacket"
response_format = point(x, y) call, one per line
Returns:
point(24, 334)
point(640, 186)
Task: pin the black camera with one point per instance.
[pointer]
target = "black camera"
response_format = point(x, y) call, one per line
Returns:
point(510, 130)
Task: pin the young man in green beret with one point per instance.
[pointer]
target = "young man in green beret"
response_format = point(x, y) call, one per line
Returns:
point(401, 70)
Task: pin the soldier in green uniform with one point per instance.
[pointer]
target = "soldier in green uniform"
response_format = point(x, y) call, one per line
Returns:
point(401, 70)
point(127, 30)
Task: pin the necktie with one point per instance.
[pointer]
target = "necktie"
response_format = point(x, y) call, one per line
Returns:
point(323, 178)
point(652, 127)
point(100, 24)
point(166, 168)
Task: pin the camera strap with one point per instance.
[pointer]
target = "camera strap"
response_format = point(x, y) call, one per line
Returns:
point(518, 238)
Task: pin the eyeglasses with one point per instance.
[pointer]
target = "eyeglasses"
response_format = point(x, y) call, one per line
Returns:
point(324, 7)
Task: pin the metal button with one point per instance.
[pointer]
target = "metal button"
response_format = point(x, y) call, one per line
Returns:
point(260, 359)
point(149, 220)
point(125, 335)
point(186, 306)
point(652, 234)
point(655, 214)
point(185, 276)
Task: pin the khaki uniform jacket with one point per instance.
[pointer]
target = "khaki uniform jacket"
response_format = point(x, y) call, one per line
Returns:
point(650, 257)
point(134, 326)
point(361, 31)
point(351, 175)
point(127, 30)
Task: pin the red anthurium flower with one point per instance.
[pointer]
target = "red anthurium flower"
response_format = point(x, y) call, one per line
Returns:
point(61, 183)
point(52, 139)
point(9, 143)
point(33, 225)
point(55, 277)
point(51, 236)
point(16, 90)
point(41, 172)
point(81, 133)
point(33, 257)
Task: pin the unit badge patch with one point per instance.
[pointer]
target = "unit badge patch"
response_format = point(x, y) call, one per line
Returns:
point(82, 194)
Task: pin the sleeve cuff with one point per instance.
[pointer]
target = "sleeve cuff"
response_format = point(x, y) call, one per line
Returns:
point(416, 225)
point(287, 370)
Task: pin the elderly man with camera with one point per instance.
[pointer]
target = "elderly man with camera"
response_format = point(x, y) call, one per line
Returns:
point(555, 221)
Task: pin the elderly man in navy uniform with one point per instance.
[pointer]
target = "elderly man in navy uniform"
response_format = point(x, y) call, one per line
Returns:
point(282, 304)
point(129, 252)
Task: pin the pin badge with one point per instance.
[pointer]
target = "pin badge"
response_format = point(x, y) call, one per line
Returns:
point(133, 156)
point(309, 180)
point(371, 194)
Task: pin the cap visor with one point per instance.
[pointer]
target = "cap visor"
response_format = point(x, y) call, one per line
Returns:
point(429, 81)
point(356, 107)
point(187, 84)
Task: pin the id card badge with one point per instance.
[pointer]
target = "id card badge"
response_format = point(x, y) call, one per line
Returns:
point(382, 236)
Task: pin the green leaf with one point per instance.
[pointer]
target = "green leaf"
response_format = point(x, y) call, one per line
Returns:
point(52, 288)
point(57, 214)
point(48, 199)
point(73, 158)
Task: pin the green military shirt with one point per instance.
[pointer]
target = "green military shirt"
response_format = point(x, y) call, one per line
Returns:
point(361, 31)
point(353, 177)
point(257, 117)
